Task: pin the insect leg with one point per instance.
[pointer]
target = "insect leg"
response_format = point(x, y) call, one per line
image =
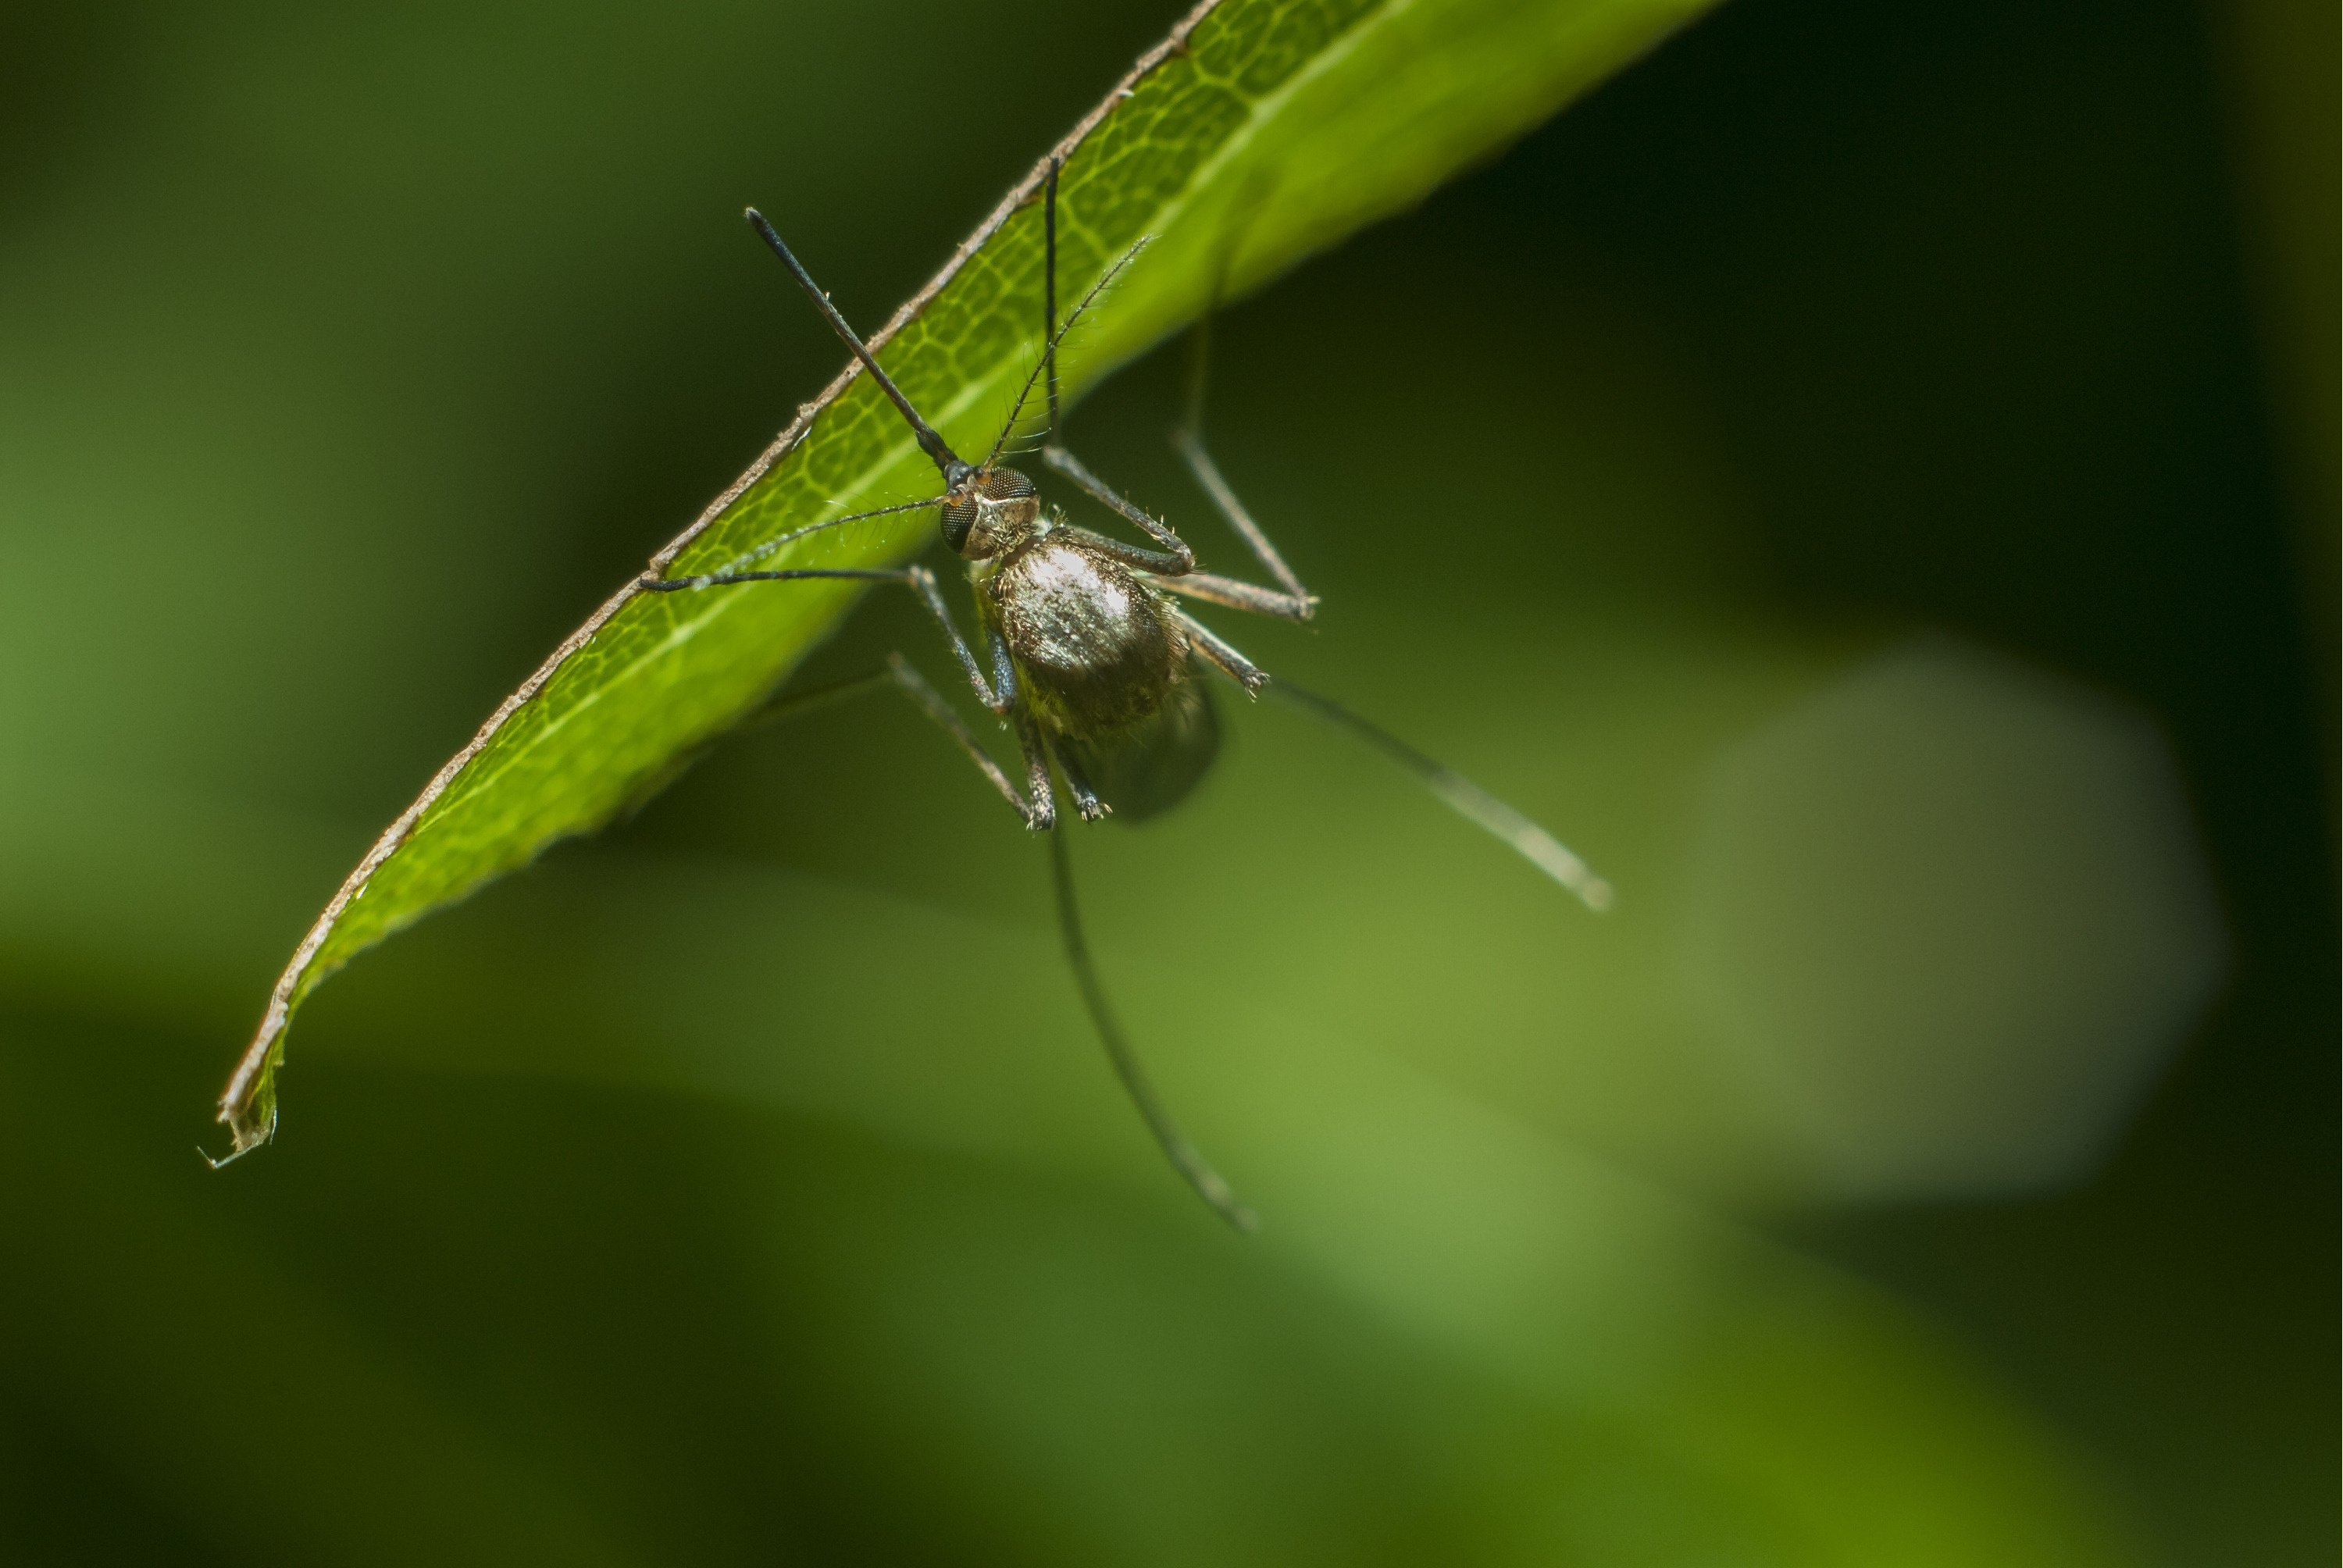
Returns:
point(1468, 799)
point(945, 460)
point(917, 579)
point(899, 674)
point(1039, 811)
point(1086, 798)
point(1232, 663)
point(1177, 559)
point(1237, 595)
point(1042, 813)
point(727, 579)
point(1001, 697)
point(798, 704)
point(1296, 602)
point(1207, 1181)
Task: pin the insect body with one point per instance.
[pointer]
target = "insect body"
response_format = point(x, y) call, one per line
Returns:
point(1102, 648)
point(1085, 651)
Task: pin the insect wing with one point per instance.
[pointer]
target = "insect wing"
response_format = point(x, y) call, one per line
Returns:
point(1154, 765)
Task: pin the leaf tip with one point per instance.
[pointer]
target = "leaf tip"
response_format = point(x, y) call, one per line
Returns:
point(249, 1113)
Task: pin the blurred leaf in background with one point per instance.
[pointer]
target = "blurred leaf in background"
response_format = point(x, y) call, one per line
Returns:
point(1856, 526)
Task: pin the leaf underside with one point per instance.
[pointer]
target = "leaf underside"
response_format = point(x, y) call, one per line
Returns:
point(1259, 132)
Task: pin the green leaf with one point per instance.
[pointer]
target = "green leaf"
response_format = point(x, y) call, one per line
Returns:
point(1259, 131)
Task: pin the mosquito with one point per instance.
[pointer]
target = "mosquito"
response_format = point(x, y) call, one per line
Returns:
point(1089, 656)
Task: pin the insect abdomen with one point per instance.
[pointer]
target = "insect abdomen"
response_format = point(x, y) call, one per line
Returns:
point(1099, 649)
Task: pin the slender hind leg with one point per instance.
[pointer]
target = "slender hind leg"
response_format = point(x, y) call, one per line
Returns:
point(1236, 594)
point(1191, 1165)
point(1207, 1181)
point(1219, 652)
point(1086, 800)
point(1294, 602)
point(1468, 799)
point(1175, 559)
point(1044, 814)
point(1038, 810)
point(1036, 805)
point(999, 695)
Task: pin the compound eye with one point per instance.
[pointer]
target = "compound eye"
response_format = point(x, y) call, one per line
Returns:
point(959, 516)
point(1004, 485)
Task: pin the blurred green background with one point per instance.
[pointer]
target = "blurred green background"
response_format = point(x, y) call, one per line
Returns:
point(1856, 478)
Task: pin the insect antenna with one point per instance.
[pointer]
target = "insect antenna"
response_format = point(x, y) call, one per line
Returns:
point(709, 580)
point(1050, 283)
point(948, 462)
point(1049, 360)
point(1207, 1181)
point(1021, 432)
